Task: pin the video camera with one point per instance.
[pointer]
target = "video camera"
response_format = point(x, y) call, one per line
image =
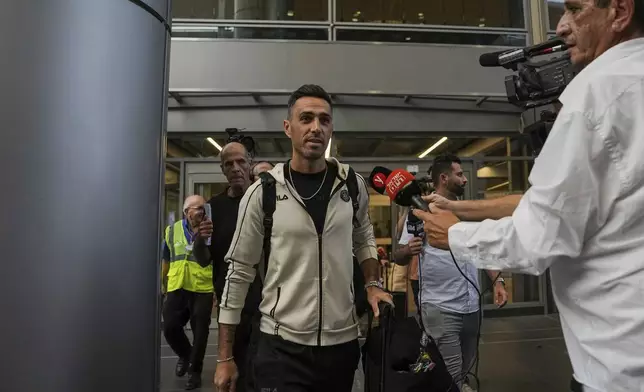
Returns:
point(235, 135)
point(536, 83)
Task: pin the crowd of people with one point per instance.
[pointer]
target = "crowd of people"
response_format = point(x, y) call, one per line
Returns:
point(287, 241)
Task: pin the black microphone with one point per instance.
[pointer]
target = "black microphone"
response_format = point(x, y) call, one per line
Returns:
point(378, 179)
point(506, 58)
point(491, 59)
point(415, 225)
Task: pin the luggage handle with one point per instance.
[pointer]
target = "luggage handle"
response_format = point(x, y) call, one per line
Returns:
point(385, 308)
point(386, 313)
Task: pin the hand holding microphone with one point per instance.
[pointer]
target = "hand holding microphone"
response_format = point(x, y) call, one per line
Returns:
point(439, 201)
point(439, 221)
point(415, 246)
point(402, 189)
point(437, 224)
point(415, 227)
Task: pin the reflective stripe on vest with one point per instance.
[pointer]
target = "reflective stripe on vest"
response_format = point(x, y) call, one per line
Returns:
point(185, 273)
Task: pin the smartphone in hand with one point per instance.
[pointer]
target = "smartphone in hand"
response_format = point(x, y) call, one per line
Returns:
point(209, 215)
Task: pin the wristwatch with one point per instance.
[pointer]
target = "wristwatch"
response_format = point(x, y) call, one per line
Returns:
point(500, 280)
point(374, 283)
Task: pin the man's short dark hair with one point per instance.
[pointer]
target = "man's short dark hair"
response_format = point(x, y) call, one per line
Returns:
point(442, 165)
point(638, 17)
point(308, 90)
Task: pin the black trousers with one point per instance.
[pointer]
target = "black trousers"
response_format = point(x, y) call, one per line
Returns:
point(289, 367)
point(180, 307)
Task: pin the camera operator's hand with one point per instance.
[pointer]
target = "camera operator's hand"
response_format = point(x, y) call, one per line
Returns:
point(437, 224)
point(415, 246)
point(438, 200)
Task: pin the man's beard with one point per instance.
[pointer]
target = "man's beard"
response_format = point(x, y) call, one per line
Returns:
point(312, 155)
point(457, 190)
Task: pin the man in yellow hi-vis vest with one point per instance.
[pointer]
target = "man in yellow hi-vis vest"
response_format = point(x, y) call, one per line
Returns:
point(187, 275)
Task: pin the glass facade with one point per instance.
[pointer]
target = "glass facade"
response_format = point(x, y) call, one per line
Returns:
point(471, 13)
point(270, 10)
point(252, 32)
point(555, 12)
point(505, 170)
point(451, 22)
point(431, 37)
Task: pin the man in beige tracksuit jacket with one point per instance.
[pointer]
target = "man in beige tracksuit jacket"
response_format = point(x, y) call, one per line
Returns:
point(309, 328)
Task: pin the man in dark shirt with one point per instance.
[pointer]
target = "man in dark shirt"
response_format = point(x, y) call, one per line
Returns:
point(235, 164)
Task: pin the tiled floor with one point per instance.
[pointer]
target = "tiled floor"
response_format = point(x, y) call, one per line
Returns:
point(518, 354)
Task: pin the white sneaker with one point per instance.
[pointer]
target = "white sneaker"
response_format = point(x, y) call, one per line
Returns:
point(467, 388)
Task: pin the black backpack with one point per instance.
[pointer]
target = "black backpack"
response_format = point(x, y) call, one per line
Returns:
point(269, 199)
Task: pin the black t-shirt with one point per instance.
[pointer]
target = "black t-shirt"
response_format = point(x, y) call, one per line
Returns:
point(225, 210)
point(224, 220)
point(307, 184)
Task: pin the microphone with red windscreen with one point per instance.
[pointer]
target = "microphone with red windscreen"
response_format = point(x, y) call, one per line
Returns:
point(403, 189)
point(378, 179)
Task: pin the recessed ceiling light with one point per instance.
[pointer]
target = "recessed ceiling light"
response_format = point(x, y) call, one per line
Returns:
point(433, 147)
point(214, 143)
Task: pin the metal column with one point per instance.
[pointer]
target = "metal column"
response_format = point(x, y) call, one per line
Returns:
point(83, 119)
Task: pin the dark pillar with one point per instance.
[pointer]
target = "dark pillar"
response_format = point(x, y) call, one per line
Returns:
point(82, 126)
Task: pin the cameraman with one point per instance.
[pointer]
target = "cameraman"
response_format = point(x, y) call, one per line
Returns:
point(583, 215)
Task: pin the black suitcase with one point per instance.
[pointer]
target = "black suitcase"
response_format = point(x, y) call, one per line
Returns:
point(390, 349)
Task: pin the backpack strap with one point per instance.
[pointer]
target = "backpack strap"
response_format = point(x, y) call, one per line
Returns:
point(269, 198)
point(352, 188)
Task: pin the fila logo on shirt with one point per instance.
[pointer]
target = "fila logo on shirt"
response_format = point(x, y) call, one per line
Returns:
point(282, 197)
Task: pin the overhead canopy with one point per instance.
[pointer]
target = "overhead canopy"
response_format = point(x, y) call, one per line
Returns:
point(459, 116)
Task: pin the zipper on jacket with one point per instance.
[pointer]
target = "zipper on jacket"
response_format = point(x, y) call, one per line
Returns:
point(320, 288)
point(320, 272)
point(272, 312)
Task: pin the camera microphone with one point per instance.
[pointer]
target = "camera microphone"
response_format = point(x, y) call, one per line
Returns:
point(508, 58)
point(491, 59)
